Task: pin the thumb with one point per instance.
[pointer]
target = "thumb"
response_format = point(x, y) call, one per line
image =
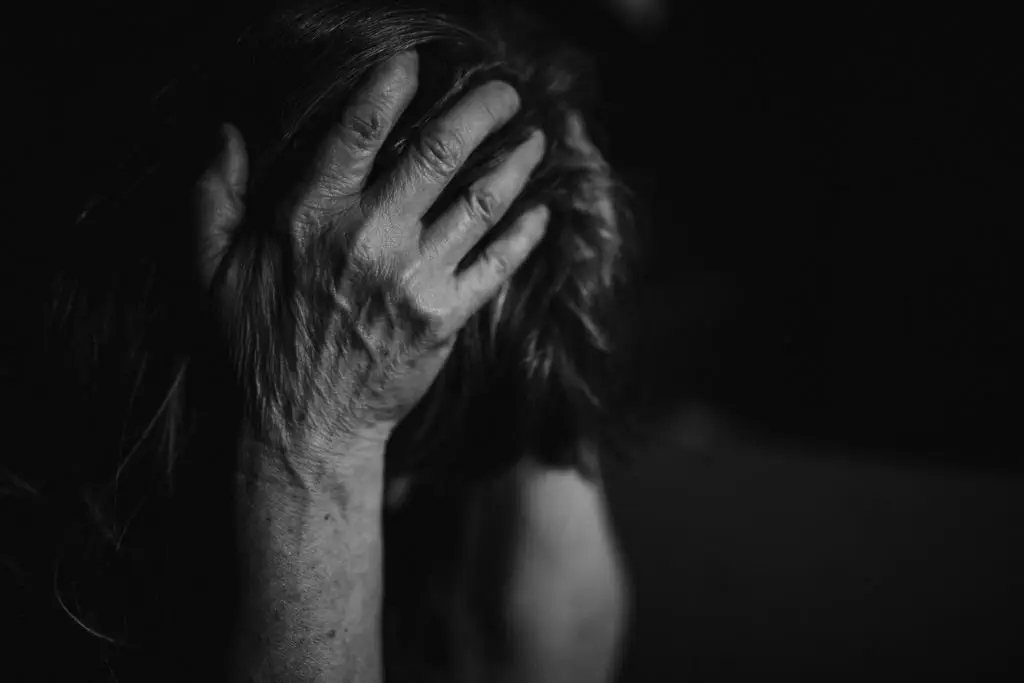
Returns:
point(220, 207)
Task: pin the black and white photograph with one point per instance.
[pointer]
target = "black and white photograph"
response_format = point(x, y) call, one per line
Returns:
point(511, 341)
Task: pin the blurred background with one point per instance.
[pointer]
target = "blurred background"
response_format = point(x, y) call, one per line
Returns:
point(830, 483)
point(833, 487)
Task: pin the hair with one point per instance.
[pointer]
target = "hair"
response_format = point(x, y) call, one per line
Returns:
point(531, 372)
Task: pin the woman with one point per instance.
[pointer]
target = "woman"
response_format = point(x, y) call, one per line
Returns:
point(403, 239)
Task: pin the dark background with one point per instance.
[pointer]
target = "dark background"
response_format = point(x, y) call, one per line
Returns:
point(832, 483)
point(834, 489)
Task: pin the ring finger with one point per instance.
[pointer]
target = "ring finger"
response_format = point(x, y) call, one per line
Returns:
point(463, 224)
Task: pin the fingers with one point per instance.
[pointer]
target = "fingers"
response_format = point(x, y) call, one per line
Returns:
point(347, 154)
point(484, 277)
point(430, 164)
point(235, 162)
point(462, 225)
point(220, 206)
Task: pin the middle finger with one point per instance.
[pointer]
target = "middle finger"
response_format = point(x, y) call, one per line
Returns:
point(427, 167)
point(462, 225)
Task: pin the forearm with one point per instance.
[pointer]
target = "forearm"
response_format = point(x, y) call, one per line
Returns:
point(310, 539)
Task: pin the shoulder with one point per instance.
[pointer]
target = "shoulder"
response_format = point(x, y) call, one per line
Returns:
point(563, 514)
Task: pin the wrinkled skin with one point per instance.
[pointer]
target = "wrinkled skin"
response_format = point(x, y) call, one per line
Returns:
point(378, 301)
point(374, 313)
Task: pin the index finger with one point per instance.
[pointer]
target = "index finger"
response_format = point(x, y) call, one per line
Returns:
point(347, 154)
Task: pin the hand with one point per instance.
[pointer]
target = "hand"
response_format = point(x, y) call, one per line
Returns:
point(339, 321)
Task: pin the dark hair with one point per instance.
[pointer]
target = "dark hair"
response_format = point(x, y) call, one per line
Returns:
point(531, 371)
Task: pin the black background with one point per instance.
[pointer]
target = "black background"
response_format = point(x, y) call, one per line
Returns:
point(831, 204)
point(829, 198)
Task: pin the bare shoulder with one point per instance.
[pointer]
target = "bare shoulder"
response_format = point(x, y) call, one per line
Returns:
point(535, 561)
point(552, 516)
point(568, 596)
point(565, 538)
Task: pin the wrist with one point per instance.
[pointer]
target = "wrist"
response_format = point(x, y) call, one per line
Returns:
point(358, 440)
point(343, 441)
point(308, 466)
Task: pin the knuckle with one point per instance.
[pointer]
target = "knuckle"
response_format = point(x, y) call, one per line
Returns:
point(423, 302)
point(427, 309)
point(365, 128)
point(420, 315)
point(359, 257)
point(358, 252)
point(384, 265)
point(483, 204)
point(439, 154)
point(499, 263)
point(408, 279)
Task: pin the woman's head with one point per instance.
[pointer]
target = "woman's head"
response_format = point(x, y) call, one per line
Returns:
point(529, 365)
point(528, 370)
